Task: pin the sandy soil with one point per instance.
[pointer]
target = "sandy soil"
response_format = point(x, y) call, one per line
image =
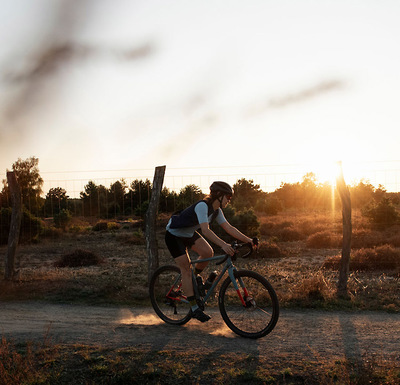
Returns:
point(298, 334)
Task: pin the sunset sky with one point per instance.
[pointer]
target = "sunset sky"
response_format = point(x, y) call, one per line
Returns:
point(197, 84)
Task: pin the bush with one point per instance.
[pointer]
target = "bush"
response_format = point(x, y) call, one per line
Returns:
point(288, 234)
point(269, 206)
point(382, 214)
point(384, 257)
point(245, 221)
point(268, 250)
point(141, 210)
point(62, 219)
point(323, 239)
point(79, 258)
point(31, 226)
point(313, 287)
point(100, 226)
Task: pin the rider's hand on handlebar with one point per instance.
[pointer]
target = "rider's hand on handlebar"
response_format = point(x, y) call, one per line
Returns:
point(228, 249)
point(254, 243)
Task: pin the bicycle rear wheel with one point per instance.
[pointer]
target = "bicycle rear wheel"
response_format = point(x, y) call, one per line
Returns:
point(167, 297)
point(260, 311)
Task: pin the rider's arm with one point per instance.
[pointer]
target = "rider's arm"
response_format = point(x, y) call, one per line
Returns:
point(211, 236)
point(235, 233)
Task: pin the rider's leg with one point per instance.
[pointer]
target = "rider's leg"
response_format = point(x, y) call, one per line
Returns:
point(203, 248)
point(187, 286)
point(184, 265)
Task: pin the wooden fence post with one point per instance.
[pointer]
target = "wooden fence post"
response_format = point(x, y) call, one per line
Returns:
point(150, 225)
point(344, 194)
point(15, 225)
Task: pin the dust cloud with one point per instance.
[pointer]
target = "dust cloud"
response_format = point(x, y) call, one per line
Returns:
point(128, 318)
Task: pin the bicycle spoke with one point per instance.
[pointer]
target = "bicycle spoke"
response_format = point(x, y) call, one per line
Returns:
point(259, 314)
point(167, 297)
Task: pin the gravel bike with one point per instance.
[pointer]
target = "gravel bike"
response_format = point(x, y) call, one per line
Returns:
point(247, 302)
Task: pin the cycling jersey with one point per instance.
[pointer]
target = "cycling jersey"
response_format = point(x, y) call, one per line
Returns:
point(188, 221)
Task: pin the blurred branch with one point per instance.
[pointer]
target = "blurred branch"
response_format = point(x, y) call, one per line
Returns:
point(297, 97)
point(50, 60)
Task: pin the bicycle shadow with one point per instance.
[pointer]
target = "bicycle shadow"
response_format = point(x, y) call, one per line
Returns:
point(149, 330)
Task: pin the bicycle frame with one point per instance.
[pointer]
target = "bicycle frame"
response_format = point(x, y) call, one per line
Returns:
point(230, 267)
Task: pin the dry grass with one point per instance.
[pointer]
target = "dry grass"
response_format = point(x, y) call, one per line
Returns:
point(302, 276)
point(68, 364)
point(298, 273)
point(380, 258)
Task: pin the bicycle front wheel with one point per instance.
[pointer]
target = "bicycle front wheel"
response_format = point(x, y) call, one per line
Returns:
point(252, 311)
point(167, 297)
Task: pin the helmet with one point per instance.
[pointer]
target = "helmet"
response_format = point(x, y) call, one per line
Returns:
point(221, 187)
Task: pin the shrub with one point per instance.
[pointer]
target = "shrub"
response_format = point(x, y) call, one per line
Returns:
point(141, 210)
point(384, 257)
point(31, 226)
point(289, 234)
point(312, 287)
point(100, 226)
point(367, 238)
point(135, 238)
point(112, 226)
point(268, 250)
point(62, 219)
point(245, 221)
point(269, 206)
point(79, 258)
point(323, 239)
point(382, 214)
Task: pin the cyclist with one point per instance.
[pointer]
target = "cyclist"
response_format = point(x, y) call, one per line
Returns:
point(182, 235)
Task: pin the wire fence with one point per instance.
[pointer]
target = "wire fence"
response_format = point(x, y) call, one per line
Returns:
point(268, 177)
point(105, 204)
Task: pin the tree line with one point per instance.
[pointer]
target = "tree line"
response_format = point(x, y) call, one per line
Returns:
point(122, 199)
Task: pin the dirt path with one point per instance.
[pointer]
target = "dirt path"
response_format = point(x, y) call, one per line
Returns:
point(313, 334)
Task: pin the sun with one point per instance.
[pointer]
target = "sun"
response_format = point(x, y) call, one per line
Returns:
point(330, 156)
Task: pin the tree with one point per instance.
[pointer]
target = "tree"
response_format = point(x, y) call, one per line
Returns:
point(362, 193)
point(116, 197)
point(139, 193)
point(246, 194)
point(168, 200)
point(189, 195)
point(94, 200)
point(30, 182)
point(56, 200)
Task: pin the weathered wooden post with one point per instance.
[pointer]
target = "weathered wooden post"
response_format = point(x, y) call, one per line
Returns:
point(151, 216)
point(344, 194)
point(15, 225)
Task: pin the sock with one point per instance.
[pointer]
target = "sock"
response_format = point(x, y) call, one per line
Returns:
point(193, 303)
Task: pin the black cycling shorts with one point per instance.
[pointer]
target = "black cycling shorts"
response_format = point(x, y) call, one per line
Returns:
point(178, 246)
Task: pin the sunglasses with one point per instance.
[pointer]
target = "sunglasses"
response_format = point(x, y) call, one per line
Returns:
point(228, 197)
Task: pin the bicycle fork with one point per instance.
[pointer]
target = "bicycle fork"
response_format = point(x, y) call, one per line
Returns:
point(244, 300)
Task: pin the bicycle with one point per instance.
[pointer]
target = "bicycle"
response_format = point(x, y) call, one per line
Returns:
point(247, 301)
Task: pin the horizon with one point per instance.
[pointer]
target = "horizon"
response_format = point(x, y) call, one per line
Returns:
point(269, 177)
point(264, 83)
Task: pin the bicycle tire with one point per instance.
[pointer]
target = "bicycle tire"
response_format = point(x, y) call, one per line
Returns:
point(258, 317)
point(169, 308)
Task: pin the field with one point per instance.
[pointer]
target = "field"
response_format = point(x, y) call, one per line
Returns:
point(299, 254)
